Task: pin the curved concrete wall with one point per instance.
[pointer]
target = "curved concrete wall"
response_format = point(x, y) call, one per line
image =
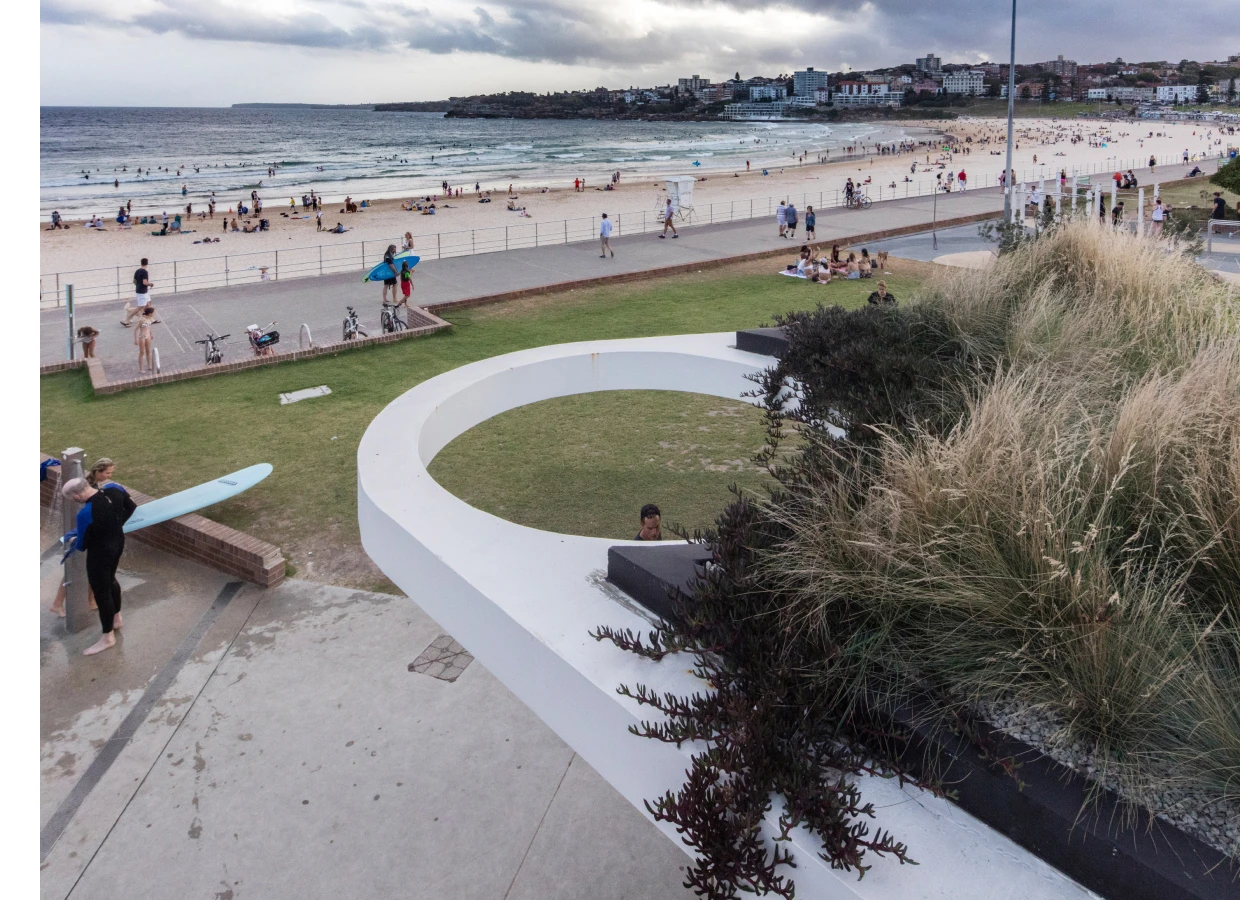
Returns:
point(523, 601)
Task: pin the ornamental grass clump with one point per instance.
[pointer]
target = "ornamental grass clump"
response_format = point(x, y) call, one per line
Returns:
point(1034, 517)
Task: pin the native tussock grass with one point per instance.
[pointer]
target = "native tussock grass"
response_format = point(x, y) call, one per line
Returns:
point(1072, 546)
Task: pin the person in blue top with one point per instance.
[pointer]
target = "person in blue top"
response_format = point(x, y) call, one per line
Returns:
point(100, 534)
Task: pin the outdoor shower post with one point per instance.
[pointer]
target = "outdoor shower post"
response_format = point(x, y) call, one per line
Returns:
point(70, 310)
point(77, 607)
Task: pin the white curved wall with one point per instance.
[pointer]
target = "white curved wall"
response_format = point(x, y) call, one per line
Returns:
point(523, 601)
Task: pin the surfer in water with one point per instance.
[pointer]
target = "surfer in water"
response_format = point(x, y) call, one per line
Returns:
point(100, 534)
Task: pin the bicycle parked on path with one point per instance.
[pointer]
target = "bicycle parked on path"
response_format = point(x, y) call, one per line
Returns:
point(262, 340)
point(389, 318)
point(211, 353)
point(859, 201)
point(352, 328)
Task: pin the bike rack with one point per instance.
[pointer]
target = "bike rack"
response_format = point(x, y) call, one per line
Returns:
point(304, 332)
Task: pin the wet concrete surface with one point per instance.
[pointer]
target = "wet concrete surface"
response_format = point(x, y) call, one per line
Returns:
point(295, 754)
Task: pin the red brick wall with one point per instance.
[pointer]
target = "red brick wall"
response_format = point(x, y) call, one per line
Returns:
point(197, 538)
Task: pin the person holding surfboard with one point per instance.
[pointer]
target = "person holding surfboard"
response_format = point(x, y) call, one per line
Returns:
point(100, 534)
point(389, 259)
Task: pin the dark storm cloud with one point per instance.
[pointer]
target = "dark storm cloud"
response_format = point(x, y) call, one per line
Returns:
point(825, 33)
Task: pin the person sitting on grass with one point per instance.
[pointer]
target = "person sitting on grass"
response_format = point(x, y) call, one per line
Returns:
point(821, 273)
point(652, 529)
point(866, 263)
point(852, 269)
point(881, 297)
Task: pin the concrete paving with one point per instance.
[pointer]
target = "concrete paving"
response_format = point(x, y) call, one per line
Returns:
point(295, 755)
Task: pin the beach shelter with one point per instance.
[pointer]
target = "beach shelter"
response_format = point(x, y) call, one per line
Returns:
point(680, 192)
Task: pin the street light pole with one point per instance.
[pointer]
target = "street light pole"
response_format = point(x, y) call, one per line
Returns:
point(1007, 179)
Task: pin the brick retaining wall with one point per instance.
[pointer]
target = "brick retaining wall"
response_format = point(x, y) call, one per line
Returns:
point(197, 538)
point(102, 385)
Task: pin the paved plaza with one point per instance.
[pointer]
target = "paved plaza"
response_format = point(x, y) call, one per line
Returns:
point(294, 754)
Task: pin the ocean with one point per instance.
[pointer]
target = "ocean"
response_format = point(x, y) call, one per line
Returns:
point(365, 154)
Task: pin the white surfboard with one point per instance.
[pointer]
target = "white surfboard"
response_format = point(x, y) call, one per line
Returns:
point(195, 498)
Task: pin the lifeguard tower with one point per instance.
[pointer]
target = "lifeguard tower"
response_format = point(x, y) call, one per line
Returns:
point(680, 192)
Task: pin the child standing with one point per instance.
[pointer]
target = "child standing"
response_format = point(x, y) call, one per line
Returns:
point(406, 284)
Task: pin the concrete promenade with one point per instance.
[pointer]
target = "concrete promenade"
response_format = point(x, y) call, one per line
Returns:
point(293, 753)
point(319, 302)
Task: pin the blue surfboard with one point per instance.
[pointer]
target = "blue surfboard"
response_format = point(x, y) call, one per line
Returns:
point(383, 271)
point(195, 498)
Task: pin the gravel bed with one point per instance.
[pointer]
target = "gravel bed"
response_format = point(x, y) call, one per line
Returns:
point(1212, 820)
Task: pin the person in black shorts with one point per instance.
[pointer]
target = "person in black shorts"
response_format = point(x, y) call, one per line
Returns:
point(652, 529)
point(100, 534)
point(141, 293)
point(390, 283)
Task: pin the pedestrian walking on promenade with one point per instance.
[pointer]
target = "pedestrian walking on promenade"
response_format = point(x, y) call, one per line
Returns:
point(604, 236)
point(668, 212)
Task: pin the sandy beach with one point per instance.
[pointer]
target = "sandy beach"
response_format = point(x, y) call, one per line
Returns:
point(1042, 146)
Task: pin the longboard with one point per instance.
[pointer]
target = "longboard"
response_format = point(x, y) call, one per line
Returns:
point(384, 271)
point(196, 498)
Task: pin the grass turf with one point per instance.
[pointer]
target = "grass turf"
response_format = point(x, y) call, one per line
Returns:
point(174, 436)
point(620, 449)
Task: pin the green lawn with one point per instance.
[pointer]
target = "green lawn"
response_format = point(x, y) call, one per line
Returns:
point(587, 464)
point(174, 436)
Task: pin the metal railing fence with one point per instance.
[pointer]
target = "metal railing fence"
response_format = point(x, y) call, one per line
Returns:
point(177, 276)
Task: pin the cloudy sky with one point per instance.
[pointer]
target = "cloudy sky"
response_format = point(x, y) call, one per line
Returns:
point(219, 52)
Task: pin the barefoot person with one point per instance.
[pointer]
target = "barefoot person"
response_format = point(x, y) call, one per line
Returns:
point(389, 257)
point(143, 339)
point(99, 476)
point(100, 534)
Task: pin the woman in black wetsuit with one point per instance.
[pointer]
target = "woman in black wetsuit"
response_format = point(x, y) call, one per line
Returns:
point(100, 533)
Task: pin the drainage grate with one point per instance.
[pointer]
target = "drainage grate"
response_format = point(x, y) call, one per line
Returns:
point(444, 659)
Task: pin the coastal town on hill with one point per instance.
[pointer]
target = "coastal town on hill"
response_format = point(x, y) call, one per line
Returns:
point(926, 86)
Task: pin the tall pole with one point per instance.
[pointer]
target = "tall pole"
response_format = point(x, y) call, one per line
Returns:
point(1007, 195)
point(70, 310)
point(77, 593)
